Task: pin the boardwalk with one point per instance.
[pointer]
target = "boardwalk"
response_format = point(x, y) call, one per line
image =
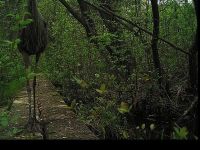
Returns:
point(59, 122)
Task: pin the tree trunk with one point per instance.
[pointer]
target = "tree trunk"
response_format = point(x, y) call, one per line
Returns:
point(193, 57)
point(154, 45)
point(88, 22)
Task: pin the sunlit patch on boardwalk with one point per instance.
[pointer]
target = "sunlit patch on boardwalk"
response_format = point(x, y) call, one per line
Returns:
point(20, 102)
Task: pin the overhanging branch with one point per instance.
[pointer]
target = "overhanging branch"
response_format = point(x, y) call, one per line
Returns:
point(72, 11)
point(109, 12)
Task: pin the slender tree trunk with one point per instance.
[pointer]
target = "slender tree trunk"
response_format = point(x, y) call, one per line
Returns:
point(154, 45)
point(147, 50)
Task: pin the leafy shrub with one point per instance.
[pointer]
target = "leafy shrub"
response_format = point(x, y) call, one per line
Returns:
point(6, 130)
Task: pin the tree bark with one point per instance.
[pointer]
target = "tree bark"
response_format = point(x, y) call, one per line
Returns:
point(88, 22)
point(193, 57)
point(154, 45)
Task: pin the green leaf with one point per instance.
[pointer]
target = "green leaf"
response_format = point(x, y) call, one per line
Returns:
point(180, 133)
point(82, 83)
point(10, 15)
point(24, 23)
point(183, 132)
point(26, 13)
point(16, 130)
point(17, 41)
point(124, 108)
point(17, 17)
point(146, 78)
point(31, 75)
point(27, 21)
point(125, 134)
point(7, 42)
point(99, 91)
point(102, 89)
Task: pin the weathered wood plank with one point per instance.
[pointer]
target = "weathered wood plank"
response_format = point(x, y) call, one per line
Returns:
point(59, 121)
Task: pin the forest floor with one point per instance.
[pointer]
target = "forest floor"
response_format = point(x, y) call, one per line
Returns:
point(59, 121)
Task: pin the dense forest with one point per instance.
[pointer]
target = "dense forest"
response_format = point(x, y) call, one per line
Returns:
point(128, 69)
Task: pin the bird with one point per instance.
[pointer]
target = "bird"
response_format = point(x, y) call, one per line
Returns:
point(33, 41)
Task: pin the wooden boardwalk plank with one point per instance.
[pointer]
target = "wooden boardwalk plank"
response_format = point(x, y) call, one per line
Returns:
point(59, 121)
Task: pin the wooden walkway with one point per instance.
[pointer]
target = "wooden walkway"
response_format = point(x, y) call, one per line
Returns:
point(59, 122)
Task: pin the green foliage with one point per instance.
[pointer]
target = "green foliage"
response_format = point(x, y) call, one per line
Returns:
point(124, 108)
point(106, 38)
point(180, 133)
point(102, 89)
point(19, 20)
point(11, 72)
point(92, 79)
point(11, 66)
point(5, 121)
point(2, 3)
point(104, 114)
point(86, 75)
point(82, 83)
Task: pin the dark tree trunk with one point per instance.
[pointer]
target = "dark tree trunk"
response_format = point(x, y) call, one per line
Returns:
point(82, 17)
point(193, 57)
point(193, 68)
point(88, 22)
point(154, 45)
point(157, 64)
